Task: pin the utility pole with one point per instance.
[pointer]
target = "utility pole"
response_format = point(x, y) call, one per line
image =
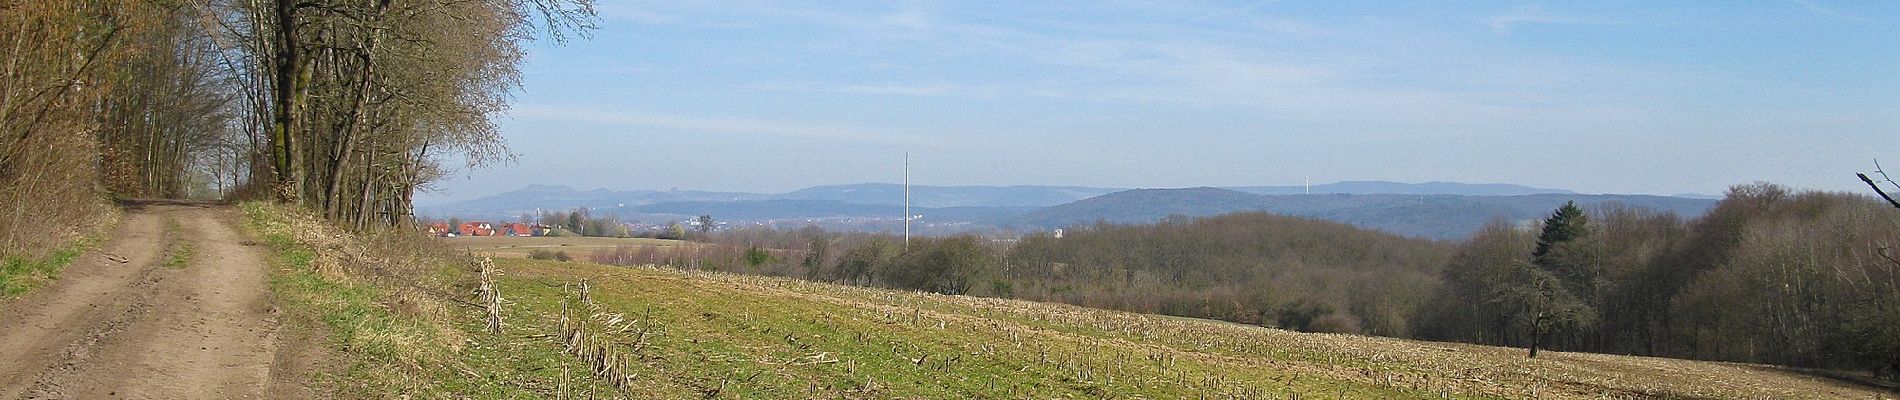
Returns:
point(906, 200)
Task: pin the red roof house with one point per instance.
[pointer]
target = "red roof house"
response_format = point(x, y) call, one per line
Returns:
point(438, 229)
point(477, 228)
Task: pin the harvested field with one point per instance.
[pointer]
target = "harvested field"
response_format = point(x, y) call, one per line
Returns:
point(694, 334)
point(578, 247)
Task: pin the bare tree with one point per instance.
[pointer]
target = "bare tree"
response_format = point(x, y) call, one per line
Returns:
point(367, 100)
point(1876, 184)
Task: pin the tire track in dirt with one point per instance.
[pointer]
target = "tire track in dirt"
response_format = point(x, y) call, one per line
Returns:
point(147, 331)
point(88, 296)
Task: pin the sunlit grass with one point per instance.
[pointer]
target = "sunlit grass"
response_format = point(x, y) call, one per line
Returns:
point(19, 275)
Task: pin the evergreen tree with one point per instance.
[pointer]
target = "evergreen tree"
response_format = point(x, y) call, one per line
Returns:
point(755, 256)
point(576, 221)
point(1568, 223)
point(1553, 291)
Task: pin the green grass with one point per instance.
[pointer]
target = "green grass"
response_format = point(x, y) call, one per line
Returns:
point(19, 275)
point(370, 336)
point(177, 251)
point(179, 255)
point(383, 350)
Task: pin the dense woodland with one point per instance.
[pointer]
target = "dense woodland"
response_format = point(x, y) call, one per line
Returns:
point(1771, 276)
point(344, 106)
point(1251, 268)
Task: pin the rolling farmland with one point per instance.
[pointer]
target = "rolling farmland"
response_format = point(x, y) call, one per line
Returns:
point(693, 334)
point(578, 247)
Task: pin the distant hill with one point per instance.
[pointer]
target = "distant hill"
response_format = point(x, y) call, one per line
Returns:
point(770, 209)
point(841, 198)
point(796, 209)
point(947, 196)
point(1382, 187)
point(1144, 205)
point(547, 197)
point(1440, 210)
point(1427, 216)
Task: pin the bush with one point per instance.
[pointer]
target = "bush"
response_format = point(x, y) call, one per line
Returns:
point(1335, 323)
point(545, 254)
point(754, 257)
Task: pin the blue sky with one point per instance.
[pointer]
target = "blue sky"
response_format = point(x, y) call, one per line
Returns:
point(1633, 97)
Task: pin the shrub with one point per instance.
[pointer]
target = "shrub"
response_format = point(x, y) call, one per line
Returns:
point(545, 254)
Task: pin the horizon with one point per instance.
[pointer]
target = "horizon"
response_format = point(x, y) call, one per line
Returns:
point(1657, 99)
point(629, 190)
point(434, 202)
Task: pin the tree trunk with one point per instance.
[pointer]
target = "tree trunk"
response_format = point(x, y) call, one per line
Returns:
point(291, 72)
point(340, 156)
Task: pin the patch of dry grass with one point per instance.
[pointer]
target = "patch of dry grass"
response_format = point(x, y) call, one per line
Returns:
point(388, 301)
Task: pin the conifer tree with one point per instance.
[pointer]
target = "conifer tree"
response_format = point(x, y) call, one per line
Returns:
point(1548, 295)
point(1566, 224)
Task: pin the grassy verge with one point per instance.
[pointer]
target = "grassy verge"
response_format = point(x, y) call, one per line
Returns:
point(20, 274)
point(391, 339)
point(398, 327)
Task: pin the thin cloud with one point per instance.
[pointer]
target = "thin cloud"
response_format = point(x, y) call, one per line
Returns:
point(1180, 66)
point(701, 124)
point(1105, 78)
point(1536, 15)
point(617, 11)
point(904, 90)
point(1817, 8)
point(899, 90)
point(1249, 8)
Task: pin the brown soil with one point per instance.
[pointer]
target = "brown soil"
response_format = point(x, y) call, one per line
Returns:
point(118, 323)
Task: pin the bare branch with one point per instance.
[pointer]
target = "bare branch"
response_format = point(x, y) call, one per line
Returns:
point(1876, 186)
point(1887, 253)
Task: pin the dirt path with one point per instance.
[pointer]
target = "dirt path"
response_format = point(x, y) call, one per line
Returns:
point(121, 323)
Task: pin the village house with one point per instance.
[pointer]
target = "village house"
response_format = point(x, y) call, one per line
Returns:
point(477, 228)
point(438, 229)
point(517, 229)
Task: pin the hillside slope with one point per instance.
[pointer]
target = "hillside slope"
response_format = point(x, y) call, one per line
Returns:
point(1432, 209)
point(947, 196)
point(1382, 187)
point(697, 334)
point(1144, 206)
